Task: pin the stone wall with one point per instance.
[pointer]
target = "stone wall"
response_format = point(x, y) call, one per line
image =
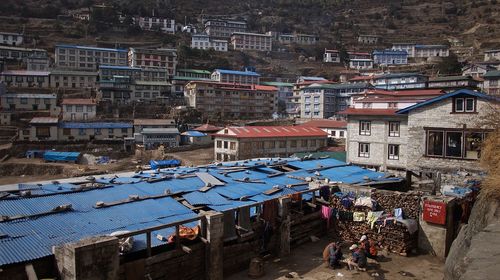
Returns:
point(378, 139)
point(173, 264)
point(439, 115)
point(475, 253)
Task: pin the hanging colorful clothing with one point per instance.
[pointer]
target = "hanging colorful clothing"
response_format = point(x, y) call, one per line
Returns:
point(327, 213)
point(358, 216)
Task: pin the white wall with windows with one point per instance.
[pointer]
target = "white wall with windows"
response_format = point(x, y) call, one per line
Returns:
point(377, 141)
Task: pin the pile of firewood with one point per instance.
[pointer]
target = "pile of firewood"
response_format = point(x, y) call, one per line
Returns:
point(393, 236)
point(409, 202)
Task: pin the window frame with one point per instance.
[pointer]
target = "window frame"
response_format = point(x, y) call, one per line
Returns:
point(365, 154)
point(365, 132)
point(393, 155)
point(394, 133)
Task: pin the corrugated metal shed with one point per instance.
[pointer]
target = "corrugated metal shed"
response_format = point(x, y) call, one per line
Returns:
point(28, 238)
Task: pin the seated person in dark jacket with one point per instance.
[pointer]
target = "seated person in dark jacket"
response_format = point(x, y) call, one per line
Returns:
point(335, 254)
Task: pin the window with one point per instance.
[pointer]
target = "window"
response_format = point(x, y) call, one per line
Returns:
point(219, 144)
point(232, 146)
point(364, 150)
point(110, 131)
point(364, 128)
point(97, 131)
point(24, 100)
point(333, 133)
point(393, 151)
point(464, 105)
point(435, 143)
point(79, 108)
point(293, 143)
point(81, 131)
point(282, 144)
point(271, 144)
point(454, 144)
point(341, 134)
point(304, 143)
point(394, 129)
point(225, 145)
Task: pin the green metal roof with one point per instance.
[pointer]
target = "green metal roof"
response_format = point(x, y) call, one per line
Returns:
point(492, 74)
point(194, 71)
point(182, 78)
point(277, 84)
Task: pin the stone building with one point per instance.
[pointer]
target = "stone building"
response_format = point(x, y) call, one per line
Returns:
point(11, 39)
point(25, 79)
point(73, 131)
point(335, 129)
point(376, 136)
point(204, 42)
point(237, 143)
point(445, 133)
point(453, 82)
point(73, 79)
point(251, 41)
point(78, 109)
point(491, 84)
point(28, 101)
point(224, 28)
point(88, 58)
point(232, 100)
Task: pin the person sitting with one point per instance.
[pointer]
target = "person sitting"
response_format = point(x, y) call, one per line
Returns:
point(358, 259)
point(369, 246)
point(332, 254)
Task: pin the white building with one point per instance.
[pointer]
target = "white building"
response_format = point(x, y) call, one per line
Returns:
point(368, 39)
point(238, 143)
point(335, 129)
point(152, 138)
point(422, 51)
point(492, 55)
point(397, 81)
point(204, 42)
point(235, 77)
point(78, 109)
point(331, 56)
point(361, 64)
point(155, 24)
point(11, 39)
point(476, 70)
point(60, 78)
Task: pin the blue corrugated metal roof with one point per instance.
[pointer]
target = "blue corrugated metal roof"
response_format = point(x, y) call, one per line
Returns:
point(103, 125)
point(234, 72)
point(194, 133)
point(28, 238)
point(444, 96)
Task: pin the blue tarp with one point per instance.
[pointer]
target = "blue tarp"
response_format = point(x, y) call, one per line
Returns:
point(155, 164)
point(61, 156)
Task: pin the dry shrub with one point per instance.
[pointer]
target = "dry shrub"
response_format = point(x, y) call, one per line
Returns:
point(490, 154)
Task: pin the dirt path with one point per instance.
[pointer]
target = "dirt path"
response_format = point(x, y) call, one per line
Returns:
point(195, 157)
point(306, 263)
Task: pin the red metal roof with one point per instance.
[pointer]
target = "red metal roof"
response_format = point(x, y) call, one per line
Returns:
point(78, 101)
point(315, 82)
point(369, 112)
point(362, 78)
point(272, 132)
point(325, 123)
